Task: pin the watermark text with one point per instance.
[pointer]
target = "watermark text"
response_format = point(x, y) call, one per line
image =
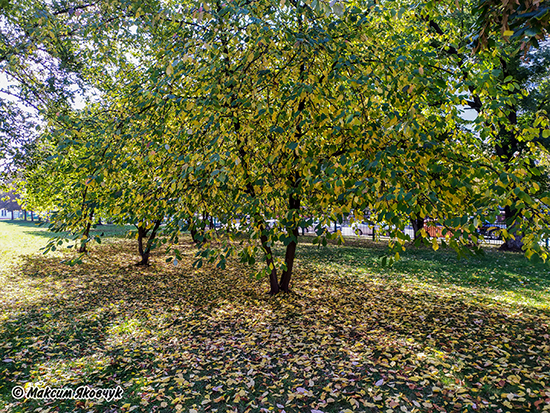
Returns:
point(58, 393)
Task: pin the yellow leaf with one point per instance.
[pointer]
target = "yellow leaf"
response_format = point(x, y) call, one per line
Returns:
point(508, 33)
point(514, 379)
point(169, 70)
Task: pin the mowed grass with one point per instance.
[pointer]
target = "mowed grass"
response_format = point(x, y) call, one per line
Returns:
point(431, 333)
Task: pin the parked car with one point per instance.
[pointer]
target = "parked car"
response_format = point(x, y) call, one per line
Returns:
point(329, 228)
point(359, 227)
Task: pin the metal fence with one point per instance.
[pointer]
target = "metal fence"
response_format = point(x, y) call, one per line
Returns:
point(366, 231)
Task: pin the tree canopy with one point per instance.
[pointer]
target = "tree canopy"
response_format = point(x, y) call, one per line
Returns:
point(275, 116)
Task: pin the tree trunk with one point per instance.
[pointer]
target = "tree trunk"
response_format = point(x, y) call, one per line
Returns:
point(32, 216)
point(289, 262)
point(194, 232)
point(145, 251)
point(153, 234)
point(417, 224)
point(274, 285)
point(516, 242)
point(83, 244)
point(25, 213)
point(142, 233)
point(506, 148)
point(273, 282)
point(83, 249)
point(194, 235)
point(290, 253)
point(293, 199)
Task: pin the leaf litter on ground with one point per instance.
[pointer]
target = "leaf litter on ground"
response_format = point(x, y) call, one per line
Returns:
point(350, 337)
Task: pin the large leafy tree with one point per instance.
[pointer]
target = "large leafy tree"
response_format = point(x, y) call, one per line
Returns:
point(499, 106)
point(313, 126)
point(273, 117)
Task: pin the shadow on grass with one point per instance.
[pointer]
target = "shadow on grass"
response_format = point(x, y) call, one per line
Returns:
point(210, 339)
point(21, 222)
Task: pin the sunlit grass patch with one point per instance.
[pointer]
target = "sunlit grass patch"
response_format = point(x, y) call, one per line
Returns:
point(60, 373)
point(118, 333)
point(498, 276)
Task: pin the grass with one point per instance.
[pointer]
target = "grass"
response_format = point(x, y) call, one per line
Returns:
point(500, 276)
point(432, 333)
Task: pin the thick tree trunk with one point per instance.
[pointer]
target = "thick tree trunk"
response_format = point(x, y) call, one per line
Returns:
point(145, 250)
point(507, 148)
point(417, 224)
point(142, 233)
point(290, 254)
point(25, 212)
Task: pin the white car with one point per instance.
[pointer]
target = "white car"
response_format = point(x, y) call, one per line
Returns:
point(359, 227)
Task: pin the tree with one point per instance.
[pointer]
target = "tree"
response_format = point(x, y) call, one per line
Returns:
point(497, 110)
point(261, 122)
point(297, 112)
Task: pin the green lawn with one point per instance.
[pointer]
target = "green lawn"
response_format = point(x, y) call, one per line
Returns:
point(432, 333)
